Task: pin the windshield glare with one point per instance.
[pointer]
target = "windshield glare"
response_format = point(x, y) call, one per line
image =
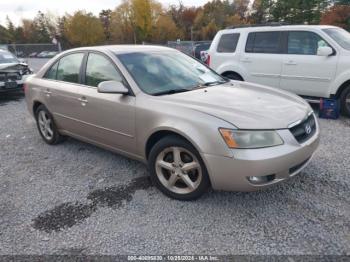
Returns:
point(7, 57)
point(162, 72)
point(341, 36)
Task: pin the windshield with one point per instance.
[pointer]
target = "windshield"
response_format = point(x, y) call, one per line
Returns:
point(341, 36)
point(7, 57)
point(159, 73)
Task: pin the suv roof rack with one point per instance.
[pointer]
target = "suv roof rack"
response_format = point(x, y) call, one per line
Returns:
point(258, 25)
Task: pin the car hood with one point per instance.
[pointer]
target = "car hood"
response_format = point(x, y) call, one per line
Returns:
point(245, 105)
point(22, 68)
point(13, 66)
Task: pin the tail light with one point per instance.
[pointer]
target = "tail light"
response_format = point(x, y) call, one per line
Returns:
point(207, 61)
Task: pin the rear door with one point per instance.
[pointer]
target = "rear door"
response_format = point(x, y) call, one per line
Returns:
point(304, 72)
point(60, 86)
point(108, 119)
point(262, 58)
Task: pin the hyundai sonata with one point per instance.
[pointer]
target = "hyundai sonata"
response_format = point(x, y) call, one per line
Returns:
point(194, 128)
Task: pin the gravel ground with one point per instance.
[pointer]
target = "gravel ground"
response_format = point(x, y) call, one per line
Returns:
point(75, 198)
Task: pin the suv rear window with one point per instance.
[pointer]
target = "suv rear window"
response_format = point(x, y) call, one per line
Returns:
point(264, 42)
point(228, 43)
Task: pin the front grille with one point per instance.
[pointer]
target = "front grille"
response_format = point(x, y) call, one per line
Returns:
point(4, 77)
point(305, 130)
point(13, 76)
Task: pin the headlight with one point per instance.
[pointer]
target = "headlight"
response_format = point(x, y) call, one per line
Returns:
point(250, 139)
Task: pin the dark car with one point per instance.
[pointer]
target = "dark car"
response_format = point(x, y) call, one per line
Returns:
point(12, 72)
point(198, 47)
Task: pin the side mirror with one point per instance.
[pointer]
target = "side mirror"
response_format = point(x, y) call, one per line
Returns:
point(324, 51)
point(112, 87)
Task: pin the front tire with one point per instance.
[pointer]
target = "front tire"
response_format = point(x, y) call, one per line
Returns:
point(177, 169)
point(345, 102)
point(46, 126)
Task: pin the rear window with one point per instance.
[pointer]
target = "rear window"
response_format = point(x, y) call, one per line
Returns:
point(228, 43)
point(264, 42)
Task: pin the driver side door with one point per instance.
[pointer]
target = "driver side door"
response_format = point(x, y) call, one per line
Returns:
point(106, 119)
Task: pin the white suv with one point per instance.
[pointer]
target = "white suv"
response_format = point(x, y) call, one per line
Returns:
point(312, 61)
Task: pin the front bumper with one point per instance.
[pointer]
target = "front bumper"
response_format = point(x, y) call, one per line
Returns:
point(279, 163)
point(18, 86)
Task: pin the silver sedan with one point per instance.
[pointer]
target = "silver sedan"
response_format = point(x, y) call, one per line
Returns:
point(194, 128)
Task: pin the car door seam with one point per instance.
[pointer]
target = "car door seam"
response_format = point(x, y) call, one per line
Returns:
point(100, 127)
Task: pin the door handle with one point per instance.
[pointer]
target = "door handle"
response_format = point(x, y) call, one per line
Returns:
point(83, 101)
point(290, 62)
point(246, 60)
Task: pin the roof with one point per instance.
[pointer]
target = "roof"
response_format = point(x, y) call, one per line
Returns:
point(119, 49)
point(279, 28)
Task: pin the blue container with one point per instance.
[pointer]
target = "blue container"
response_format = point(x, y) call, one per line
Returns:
point(329, 108)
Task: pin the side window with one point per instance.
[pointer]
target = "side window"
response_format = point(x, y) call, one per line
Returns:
point(228, 43)
point(304, 43)
point(52, 72)
point(99, 69)
point(69, 68)
point(264, 42)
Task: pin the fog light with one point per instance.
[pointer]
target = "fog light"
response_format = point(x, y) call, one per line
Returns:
point(259, 180)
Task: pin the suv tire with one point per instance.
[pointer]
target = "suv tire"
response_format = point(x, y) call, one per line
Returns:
point(345, 102)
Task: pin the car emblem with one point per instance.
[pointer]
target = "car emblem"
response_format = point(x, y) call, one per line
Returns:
point(308, 129)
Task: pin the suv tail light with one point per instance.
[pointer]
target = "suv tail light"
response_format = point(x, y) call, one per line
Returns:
point(25, 87)
point(207, 61)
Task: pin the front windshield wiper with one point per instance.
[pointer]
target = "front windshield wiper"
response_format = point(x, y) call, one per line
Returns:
point(198, 86)
point(214, 83)
point(172, 91)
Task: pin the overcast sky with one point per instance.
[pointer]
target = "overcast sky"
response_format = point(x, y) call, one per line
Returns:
point(18, 9)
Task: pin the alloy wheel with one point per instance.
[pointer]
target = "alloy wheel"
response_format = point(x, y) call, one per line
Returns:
point(45, 125)
point(178, 170)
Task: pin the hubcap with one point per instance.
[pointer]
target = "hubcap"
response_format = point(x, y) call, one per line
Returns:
point(45, 125)
point(178, 170)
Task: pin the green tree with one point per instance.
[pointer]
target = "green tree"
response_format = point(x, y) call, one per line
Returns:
point(299, 11)
point(42, 28)
point(261, 11)
point(10, 29)
point(5, 36)
point(106, 17)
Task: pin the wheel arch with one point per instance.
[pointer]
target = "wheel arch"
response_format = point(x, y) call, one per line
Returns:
point(233, 68)
point(342, 88)
point(36, 105)
point(232, 72)
point(161, 133)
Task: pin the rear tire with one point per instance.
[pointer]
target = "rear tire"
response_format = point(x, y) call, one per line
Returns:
point(345, 102)
point(47, 127)
point(177, 169)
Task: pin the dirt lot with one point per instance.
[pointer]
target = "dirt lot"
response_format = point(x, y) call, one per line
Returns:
point(75, 198)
